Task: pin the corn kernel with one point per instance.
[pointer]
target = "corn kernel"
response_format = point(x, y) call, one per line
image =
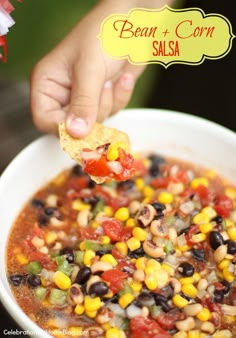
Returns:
point(61, 280)
point(78, 205)
point(179, 301)
point(151, 281)
point(180, 334)
point(232, 233)
point(139, 234)
point(133, 243)
point(204, 315)
point(92, 303)
point(194, 334)
point(162, 278)
point(196, 277)
point(82, 246)
point(165, 197)
point(108, 258)
point(200, 218)
point(50, 237)
point(168, 268)
point(153, 264)
point(222, 334)
point(209, 211)
point(91, 314)
point(228, 275)
point(189, 290)
point(136, 286)
point(197, 238)
point(126, 299)
point(131, 222)
point(229, 319)
point(148, 191)
point(75, 331)
point(184, 248)
point(22, 259)
point(88, 257)
point(105, 240)
point(122, 214)
point(113, 150)
point(230, 192)
point(141, 263)
point(186, 280)
point(139, 183)
point(94, 224)
point(224, 264)
point(196, 182)
point(108, 211)
point(206, 227)
point(229, 223)
point(79, 309)
point(113, 332)
point(122, 248)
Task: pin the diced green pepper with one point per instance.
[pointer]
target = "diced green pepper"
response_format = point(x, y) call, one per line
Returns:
point(40, 292)
point(155, 310)
point(34, 267)
point(90, 245)
point(79, 256)
point(126, 289)
point(98, 207)
point(57, 297)
point(169, 220)
point(63, 265)
point(168, 246)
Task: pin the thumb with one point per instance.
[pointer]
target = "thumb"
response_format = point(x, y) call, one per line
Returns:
point(87, 84)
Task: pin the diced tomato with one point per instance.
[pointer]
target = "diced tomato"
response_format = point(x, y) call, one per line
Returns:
point(182, 176)
point(140, 168)
point(126, 160)
point(113, 229)
point(126, 266)
point(160, 182)
point(126, 233)
point(204, 194)
point(44, 260)
point(78, 183)
point(88, 233)
point(118, 202)
point(116, 279)
point(166, 321)
point(142, 327)
point(223, 205)
point(116, 253)
point(97, 167)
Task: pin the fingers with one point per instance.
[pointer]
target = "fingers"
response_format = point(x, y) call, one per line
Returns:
point(123, 91)
point(87, 83)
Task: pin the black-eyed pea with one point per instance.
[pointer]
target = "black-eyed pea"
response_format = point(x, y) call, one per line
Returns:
point(83, 218)
point(186, 324)
point(220, 253)
point(134, 207)
point(208, 327)
point(192, 310)
point(202, 284)
point(152, 250)
point(139, 275)
point(176, 285)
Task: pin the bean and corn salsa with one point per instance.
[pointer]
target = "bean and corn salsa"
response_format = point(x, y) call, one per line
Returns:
point(150, 257)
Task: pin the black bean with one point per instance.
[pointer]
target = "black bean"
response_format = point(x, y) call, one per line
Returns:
point(159, 207)
point(69, 253)
point(183, 231)
point(136, 253)
point(37, 203)
point(17, 279)
point(98, 289)
point(215, 239)
point(103, 252)
point(156, 159)
point(218, 296)
point(91, 184)
point(227, 286)
point(156, 162)
point(77, 170)
point(154, 170)
point(186, 269)
point(50, 211)
point(165, 306)
point(199, 254)
point(114, 299)
point(83, 275)
point(159, 299)
point(185, 296)
point(43, 220)
point(167, 291)
point(218, 219)
point(92, 200)
point(34, 280)
point(126, 185)
point(231, 246)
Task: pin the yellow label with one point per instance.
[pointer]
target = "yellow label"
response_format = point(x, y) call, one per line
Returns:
point(166, 36)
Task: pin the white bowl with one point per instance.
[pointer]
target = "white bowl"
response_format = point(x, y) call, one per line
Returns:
point(169, 133)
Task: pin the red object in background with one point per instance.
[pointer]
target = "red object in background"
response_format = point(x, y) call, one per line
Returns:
point(7, 6)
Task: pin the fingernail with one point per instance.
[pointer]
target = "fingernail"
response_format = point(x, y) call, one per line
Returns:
point(76, 126)
point(107, 84)
point(127, 81)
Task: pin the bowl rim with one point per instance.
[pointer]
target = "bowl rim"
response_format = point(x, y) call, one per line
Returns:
point(14, 309)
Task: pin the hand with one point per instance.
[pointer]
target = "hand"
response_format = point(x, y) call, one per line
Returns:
point(77, 82)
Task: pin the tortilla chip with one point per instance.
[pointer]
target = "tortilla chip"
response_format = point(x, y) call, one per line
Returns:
point(99, 135)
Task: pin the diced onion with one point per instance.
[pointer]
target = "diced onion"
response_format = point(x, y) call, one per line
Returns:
point(115, 166)
point(181, 240)
point(133, 311)
point(116, 309)
point(90, 155)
